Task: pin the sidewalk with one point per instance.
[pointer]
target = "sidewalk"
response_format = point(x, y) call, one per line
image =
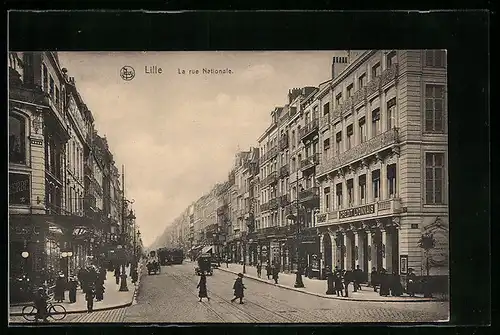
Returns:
point(318, 287)
point(112, 297)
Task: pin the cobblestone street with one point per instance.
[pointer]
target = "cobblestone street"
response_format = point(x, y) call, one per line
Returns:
point(172, 297)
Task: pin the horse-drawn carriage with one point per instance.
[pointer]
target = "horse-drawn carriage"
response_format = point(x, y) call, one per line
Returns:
point(153, 264)
point(204, 265)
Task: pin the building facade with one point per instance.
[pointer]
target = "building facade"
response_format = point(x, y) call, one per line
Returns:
point(350, 173)
point(49, 127)
point(383, 174)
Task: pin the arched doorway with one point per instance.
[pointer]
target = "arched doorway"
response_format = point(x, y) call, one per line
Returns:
point(327, 250)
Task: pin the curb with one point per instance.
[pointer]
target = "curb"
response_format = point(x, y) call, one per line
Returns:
point(128, 304)
point(330, 296)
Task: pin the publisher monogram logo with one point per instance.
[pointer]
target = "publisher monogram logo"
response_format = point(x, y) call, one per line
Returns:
point(127, 73)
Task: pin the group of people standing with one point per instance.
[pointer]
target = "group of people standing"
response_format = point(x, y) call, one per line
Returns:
point(388, 283)
point(272, 270)
point(338, 280)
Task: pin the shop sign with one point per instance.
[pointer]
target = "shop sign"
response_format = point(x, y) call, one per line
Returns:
point(362, 210)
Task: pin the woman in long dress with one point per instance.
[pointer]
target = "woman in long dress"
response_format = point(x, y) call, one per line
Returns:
point(238, 288)
point(202, 285)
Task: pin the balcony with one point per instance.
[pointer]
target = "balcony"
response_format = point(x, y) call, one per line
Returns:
point(33, 95)
point(274, 204)
point(284, 171)
point(283, 142)
point(309, 162)
point(391, 206)
point(326, 217)
point(264, 207)
point(309, 130)
point(311, 194)
point(272, 178)
point(284, 200)
point(363, 150)
point(325, 120)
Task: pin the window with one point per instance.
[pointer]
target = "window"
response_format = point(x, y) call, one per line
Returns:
point(326, 108)
point(298, 132)
point(19, 189)
point(57, 96)
point(391, 180)
point(338, 99)
point(434, 178)
point(362, 130)
point(434, 58)
point(51, 88)
point(376, 184)
point(349, 90)
point(391, 59)
point(375, 122)
point(434, 103)
point(362, 189)
point(338, 142)
point(338, 192)
point(17, 139)
point(376, 70)
point(45, 79)
point(326, 148)
point(349, 136)
point(294, 163)
point(350, 192)
point(391, 114)
point(327, 199)
point(362, 81)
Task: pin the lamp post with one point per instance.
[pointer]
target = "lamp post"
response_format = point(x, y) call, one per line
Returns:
point(244, 253)
point(298, 275)
point(66, 255)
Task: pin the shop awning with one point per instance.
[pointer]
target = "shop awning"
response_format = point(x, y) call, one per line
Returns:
point(207, 249)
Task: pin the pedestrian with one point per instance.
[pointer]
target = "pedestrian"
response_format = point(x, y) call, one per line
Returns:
point(73, 284)
point(81, 277)
point(347, 279)
point(396, 287)
point(384, 284)
point(276, 272)
point(410, 286)
point(338, 282)
point(99, 290)
point(202, 286)
point(357, 278)
point(238, 288)
point(330, 280)
point(259, 269)
point(60, 288)
point(89, 296)
point(40, 301)
point(268, 270)
point(374, 279)
point(117, 275)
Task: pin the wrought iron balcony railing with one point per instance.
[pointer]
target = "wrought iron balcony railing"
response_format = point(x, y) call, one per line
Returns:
point(309, 194)
point(310, 128)
point(285, 170)
point(372, 146)
point(309, 162)
point(283, 142)
point(274, 204)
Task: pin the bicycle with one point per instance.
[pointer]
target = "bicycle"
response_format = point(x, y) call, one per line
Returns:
point(56, 312)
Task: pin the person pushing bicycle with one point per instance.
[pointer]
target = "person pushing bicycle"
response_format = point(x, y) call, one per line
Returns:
point(40, 301)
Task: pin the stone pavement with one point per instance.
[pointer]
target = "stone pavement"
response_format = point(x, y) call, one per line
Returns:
point(318, 287)
point(113, 298)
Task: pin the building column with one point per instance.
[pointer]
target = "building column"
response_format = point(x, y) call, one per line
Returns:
point(357, 242)
point(361, 251)
point(388, 250)
point(384, 248)
point(369, 242)
point(384, 189)
point(348, 254)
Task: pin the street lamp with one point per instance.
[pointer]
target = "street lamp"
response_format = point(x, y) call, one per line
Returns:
point(298, 276)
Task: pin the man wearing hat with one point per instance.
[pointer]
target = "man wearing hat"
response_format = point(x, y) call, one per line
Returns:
point(410, 278)
point(238, 288)
point(60, 288)
point(40, 302)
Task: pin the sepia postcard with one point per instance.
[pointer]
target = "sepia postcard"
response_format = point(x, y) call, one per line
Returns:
point(228, 187)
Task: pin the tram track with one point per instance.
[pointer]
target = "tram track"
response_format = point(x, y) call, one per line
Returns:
point(258, 313)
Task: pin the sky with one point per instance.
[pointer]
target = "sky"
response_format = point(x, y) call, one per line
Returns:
point(177, 134)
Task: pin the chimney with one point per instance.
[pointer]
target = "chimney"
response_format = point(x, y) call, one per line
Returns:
point(65, 73)
point(339, 63)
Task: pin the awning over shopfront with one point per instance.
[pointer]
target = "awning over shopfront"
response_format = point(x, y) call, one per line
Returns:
point(207, 249)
